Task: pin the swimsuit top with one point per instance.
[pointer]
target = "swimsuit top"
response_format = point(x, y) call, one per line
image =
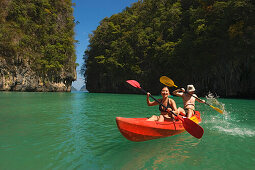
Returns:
point(163, 109)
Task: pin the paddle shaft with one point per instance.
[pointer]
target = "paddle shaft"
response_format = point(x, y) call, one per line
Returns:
point(215, 108)
point(170, 83)
point(198, 98)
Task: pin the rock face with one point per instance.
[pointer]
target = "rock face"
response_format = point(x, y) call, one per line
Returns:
point(20, 77)
point(37, 46)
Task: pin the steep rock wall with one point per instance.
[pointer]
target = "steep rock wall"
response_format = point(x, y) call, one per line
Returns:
point(37, 51)
point(20, 77)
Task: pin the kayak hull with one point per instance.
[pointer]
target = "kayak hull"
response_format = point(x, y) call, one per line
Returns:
point(138, 129)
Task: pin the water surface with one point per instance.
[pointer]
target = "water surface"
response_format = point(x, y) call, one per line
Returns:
point(78, 131)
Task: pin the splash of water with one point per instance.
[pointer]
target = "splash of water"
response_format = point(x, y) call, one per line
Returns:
point(237, 131)
point(212, 100)
point(228, 123)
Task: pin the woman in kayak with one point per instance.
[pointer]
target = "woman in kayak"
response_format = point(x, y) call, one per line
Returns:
point(165, 113)
point(188, 100)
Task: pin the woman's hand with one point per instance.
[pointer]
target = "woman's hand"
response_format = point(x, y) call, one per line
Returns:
point(169, 110)
point(148, 95)
point(176, 112)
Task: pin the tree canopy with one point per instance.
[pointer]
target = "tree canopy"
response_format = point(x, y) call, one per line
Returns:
point(207, 43)
point(40, 32)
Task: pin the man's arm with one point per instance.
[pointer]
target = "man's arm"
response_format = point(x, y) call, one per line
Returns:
point(199, 100)
point(179, 92)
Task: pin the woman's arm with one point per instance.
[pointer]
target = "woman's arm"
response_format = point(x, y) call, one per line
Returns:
point(174, 107)
point(149, 103)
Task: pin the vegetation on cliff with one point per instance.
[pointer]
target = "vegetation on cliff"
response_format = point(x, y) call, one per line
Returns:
point(208, 43)
point(39, 33)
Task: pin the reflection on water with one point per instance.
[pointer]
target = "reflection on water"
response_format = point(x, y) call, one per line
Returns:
point(160, 154)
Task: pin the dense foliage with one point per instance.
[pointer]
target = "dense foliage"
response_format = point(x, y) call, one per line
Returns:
point(39, 32)
point(207, 43)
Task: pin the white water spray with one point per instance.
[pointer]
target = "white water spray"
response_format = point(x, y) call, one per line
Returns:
point(212, 100)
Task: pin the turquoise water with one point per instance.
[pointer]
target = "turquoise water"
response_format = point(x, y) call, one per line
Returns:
point(78, 131)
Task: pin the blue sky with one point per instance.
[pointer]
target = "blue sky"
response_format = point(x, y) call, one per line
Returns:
point(89, 13)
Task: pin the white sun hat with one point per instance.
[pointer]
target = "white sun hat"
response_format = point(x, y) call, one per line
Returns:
point(190, 88)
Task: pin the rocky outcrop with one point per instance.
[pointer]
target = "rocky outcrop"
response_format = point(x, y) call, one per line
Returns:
point(18, 76)
point(37, 46)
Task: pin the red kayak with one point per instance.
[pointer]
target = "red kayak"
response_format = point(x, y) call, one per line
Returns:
point(138, 129)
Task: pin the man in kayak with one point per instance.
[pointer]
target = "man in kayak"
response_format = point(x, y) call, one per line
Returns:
point(188, 100)
point(165, 113)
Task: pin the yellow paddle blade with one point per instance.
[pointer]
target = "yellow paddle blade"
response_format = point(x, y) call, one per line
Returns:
point(167, 81)
point(217, 109)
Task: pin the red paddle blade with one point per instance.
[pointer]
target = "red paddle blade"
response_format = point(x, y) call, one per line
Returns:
point(133, 83)
point(193, 128)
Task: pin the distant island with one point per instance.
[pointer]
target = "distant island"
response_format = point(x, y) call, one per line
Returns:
point(73, 89)
point(83, 88)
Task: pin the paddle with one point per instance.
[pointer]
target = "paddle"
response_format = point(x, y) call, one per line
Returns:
point(190, 126)
point(168, 82)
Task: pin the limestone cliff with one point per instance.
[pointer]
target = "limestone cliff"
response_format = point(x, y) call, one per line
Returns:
point(20, 77)
point(37, 50)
